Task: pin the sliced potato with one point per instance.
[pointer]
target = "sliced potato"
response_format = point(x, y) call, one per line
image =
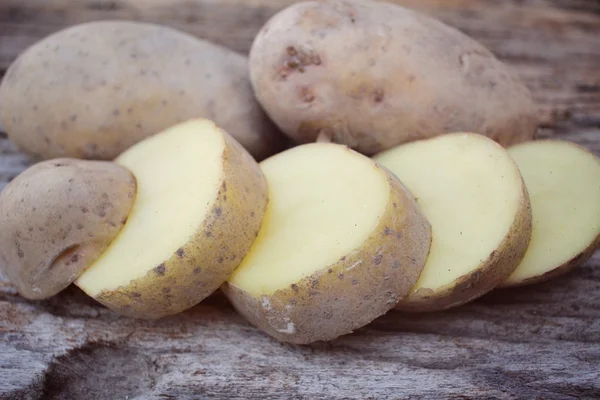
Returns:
point(201, 199)
point(472, 193)
point(563, 180)
point(57, 217)
point(341, 243)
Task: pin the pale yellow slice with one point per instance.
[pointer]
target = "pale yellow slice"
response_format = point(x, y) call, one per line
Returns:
point(341, 243)
point(563, 180)
point(326, 202)
point(199, 205)
point(472, 193)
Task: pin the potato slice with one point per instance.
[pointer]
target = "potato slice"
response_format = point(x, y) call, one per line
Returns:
point(341, 243)
point(57, 217)
point(474, 196)
point(563, 180)
point(201, 199)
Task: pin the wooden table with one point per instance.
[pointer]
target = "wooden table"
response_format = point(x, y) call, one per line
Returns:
point(540, 342)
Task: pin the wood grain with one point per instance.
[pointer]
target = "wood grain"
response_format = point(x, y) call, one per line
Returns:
point(538, 342)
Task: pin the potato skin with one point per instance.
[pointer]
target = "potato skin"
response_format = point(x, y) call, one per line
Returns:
point(200, 266)
point(373, 75)
point(355, 290)
point(93, 90)
point(490, 274)
point(58, 216)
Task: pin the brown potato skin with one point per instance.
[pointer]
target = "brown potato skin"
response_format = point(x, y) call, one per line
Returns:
point(374, 75)
point(200, 266)
point(93, 90)
point(341, 298)
point(491, 273)
point(59, 216)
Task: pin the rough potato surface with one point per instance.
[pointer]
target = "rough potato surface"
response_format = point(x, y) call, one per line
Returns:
point(93, 90)
point(199, 267)
point(355, 290)
point(373, 75)
point(58, 216)
point(491, 274)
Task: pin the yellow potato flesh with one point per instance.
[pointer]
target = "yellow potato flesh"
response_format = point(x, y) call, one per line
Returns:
point(178, 172)
point(470, 191)
point(563, 181)
point(324, 201)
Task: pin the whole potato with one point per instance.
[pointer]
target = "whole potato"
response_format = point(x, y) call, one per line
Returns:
point(57, 217)
point(93, 90)
point(373, 75)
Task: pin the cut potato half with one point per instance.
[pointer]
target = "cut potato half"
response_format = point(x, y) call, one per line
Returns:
point(473, 195)
point(200, 202)
point(341, 243)
point(58, 216)
point(563, 180)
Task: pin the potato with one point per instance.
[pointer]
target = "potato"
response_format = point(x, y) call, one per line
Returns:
point(57, 217)
point(341, 243)
point(93, 90)
point(472, 193)
point(373, 75)
point(563, 180)
point(201, 199)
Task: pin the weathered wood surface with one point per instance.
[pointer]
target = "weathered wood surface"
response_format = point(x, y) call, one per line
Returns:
point(540, 342)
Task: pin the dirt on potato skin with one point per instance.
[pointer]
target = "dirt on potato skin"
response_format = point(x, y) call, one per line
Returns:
point(355, 290)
